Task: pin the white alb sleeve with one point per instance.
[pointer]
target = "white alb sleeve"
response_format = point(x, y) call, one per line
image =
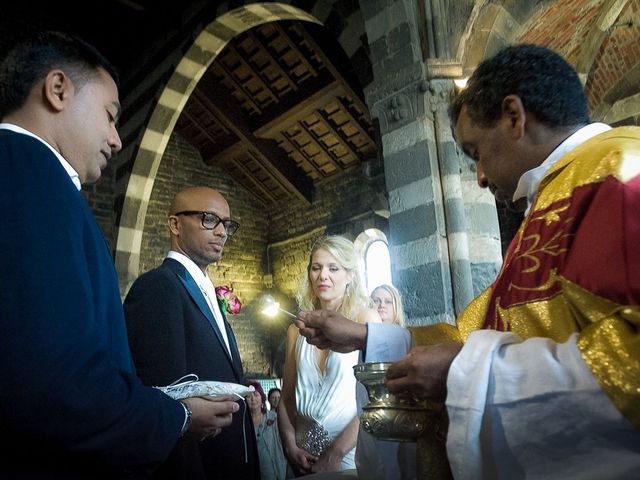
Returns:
point(532, 409)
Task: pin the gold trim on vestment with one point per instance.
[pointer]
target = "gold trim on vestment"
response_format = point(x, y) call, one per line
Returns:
point(608, 333)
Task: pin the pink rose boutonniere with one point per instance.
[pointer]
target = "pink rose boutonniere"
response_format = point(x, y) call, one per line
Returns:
point(229, 303)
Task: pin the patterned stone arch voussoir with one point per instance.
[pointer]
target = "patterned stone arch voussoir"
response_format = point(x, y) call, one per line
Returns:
point(207, 45)
point(493, 24)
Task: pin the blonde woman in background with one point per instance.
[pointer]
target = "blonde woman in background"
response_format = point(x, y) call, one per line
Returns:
point(387, 301)
point(380, 459)
point(318, 412)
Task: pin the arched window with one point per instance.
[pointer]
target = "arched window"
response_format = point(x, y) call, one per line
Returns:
point(378, 264)
point(375, 254)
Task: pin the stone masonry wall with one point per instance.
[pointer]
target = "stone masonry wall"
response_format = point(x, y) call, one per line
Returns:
point(343, 206)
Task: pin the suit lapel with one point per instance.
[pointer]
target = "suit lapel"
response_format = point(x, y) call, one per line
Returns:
point(235, 353)
point(196, 294)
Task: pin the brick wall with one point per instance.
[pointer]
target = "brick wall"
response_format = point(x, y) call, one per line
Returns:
point(619, 54)
point(562, 26)
point(567, 26)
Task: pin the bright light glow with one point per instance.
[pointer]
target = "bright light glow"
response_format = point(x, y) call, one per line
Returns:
point(378, 265)
point(461, 82)
point(271, 310)
point(271, 307)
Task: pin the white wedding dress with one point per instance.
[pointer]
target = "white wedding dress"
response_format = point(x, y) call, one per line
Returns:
point(325, 402)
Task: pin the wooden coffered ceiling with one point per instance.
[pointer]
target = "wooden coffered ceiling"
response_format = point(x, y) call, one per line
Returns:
point(279, 111)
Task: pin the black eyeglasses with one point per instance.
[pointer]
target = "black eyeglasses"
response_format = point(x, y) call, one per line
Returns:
point(211, 221)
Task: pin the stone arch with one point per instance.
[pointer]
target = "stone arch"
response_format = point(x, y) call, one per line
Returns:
point(368, 236)
point(625, 111)
point(206, 46)
point(600, 28)
point(491, 26)
point(615, 69)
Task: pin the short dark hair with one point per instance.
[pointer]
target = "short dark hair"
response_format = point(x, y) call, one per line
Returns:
point(31, 59)
point(547, 85)
point(273, 389)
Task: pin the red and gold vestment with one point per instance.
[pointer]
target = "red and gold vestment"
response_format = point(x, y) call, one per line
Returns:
point(574, 266)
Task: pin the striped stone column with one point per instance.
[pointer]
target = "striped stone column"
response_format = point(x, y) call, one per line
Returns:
point(417, 225)
point(453, 203)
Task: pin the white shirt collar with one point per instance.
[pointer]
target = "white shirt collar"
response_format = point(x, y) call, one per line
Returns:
point(206, 286)
point(75, 178)
point(198, 275)
point(530, 180)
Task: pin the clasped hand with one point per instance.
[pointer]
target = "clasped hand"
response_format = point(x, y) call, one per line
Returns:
point(209, 415)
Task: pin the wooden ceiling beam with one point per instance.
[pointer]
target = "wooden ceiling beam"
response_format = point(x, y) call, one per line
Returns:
point(253, 71)
point(301, 110)
point(316, 141)
point(334, 71)
point(239, 86)
point(192, 117)
point(294, 47)
point(273, 173)
point(237, 163)
point(198, 126)
point(285, 137)
point(336, 133)
point(224, 107)
point(354, 121)
point(274, 61)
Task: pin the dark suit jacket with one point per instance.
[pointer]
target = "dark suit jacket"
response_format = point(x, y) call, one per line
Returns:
point(172, 333)
point(70, 403)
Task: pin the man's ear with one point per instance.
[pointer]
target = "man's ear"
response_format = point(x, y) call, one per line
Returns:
point(514, 115)
point(173, 224)
point(57, 89)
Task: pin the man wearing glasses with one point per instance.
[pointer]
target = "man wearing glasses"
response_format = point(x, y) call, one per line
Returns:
point(176, 328)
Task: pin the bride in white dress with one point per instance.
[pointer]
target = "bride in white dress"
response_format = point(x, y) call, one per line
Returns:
point(317, 415)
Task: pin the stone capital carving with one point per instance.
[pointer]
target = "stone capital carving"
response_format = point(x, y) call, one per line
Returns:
point(399, 98)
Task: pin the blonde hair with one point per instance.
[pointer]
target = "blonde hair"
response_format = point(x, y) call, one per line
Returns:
point(355, 296)
point(398, 311)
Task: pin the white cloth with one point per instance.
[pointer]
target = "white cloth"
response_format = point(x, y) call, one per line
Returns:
point(73, 175)
point(532, 409)
point(329, 398)
point(208, 290)
point(386, 342)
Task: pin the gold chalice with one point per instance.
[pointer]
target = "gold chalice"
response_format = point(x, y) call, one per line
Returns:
point(404, 418)
point(387, 416)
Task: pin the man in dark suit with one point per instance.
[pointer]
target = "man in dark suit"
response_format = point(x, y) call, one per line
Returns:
point(71, 405)
point(176, 328)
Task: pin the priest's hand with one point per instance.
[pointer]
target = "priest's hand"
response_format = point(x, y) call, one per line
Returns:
point(423, 371)
point(327, 329)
